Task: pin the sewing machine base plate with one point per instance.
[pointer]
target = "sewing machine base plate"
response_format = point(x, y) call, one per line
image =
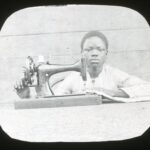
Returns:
point(58, 101)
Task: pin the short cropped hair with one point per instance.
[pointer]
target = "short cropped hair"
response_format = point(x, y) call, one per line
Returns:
point(94, 34)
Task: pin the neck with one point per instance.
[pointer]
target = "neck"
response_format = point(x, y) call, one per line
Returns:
point(95, 71)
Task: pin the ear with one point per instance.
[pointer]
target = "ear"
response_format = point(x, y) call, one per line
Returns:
point(106, 52)
point(84, 54)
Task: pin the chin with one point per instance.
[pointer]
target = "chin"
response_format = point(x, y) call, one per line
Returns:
point(95, 65)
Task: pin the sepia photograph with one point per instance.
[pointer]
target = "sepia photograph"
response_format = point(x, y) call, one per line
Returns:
point(75, 73)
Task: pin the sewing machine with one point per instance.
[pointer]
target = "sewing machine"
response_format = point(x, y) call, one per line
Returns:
point(38, 76)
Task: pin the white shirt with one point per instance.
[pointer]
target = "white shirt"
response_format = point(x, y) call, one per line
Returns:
point(110, 78)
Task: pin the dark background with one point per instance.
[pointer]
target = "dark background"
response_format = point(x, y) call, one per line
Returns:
point(143, 142)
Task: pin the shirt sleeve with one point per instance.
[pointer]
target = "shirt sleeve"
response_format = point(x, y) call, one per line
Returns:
point(131, 85)
point(141, 90)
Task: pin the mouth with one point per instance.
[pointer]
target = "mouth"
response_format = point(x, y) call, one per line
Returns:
point(94, 60)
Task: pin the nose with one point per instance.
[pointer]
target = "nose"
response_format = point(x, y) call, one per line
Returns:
point(94, 53)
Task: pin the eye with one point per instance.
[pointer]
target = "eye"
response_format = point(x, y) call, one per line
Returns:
point(88, 49)
point(100, 49)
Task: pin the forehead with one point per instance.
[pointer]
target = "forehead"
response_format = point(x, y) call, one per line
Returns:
point(94, 41)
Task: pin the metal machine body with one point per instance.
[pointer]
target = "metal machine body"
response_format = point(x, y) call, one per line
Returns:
point(39, 75)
